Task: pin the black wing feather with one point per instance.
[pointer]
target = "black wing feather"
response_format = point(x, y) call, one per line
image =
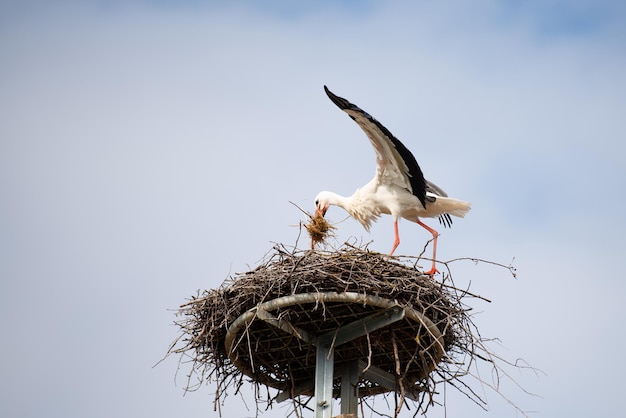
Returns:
point(416, 177)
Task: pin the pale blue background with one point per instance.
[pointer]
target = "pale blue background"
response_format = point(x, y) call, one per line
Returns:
point(151, 148)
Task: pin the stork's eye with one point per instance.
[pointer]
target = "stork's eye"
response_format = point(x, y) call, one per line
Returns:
point(317, 203)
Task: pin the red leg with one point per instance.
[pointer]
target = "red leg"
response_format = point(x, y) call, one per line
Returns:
point(396, 241)
point(435, 234)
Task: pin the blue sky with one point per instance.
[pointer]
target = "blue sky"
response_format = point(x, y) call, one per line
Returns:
point(150, 149)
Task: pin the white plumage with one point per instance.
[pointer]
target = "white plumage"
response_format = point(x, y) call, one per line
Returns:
point(398, 189)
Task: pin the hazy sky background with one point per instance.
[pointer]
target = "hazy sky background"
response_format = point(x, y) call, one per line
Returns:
point(151, 148)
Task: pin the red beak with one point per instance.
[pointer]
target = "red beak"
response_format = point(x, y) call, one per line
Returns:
point(321, 212)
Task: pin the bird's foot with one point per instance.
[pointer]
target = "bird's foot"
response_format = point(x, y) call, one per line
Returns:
point(431, 272)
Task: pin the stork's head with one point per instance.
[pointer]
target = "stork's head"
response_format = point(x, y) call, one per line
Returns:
point(321, 203)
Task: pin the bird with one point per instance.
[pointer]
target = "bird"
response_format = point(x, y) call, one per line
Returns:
point(398, 188)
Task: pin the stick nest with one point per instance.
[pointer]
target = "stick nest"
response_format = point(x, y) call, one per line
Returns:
point(272, 358)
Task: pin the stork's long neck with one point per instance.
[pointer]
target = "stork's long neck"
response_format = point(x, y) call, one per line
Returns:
point(342, 201)
point(360, 209)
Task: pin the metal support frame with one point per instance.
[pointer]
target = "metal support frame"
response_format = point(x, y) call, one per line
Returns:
point(325, 373)
point(325, 358)
point(325, 363)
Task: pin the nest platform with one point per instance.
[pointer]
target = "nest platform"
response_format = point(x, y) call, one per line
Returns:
point(379, 324)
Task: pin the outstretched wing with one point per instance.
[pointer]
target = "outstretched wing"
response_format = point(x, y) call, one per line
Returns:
point(394, 162)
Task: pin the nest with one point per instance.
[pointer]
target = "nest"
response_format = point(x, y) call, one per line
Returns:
point(228, 341)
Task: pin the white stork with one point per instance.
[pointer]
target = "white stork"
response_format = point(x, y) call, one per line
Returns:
point(398, 189)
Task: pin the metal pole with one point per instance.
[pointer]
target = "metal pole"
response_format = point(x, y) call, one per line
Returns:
point(349, 387)
point(324, 362)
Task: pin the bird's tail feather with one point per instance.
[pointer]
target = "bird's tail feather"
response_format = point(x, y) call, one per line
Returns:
point(457, 208)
